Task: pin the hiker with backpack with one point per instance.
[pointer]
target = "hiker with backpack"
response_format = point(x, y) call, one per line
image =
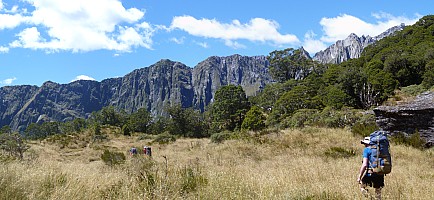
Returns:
point(376, 163)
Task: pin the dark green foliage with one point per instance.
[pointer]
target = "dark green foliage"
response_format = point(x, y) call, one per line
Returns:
point(300, 97)
point(229, 107)
point(254, 120)
point(74, 126)
point(126, 129)
point(186, 122)
point(112, 158)
point(406, 54)
point(13, 144)
point(96, 129)
point(109, 116)
point(339, 152)
point(333, 118)
point(413, 140)
point(302, 118)
point(335, 97)
point(271, 93)
point(140, 121)
point(428, 76)
point(220, 137)
point(5, 129)
point(413, 90)
point(365, 125)
point(160, 125)
point(164, 138)
point(288, 63)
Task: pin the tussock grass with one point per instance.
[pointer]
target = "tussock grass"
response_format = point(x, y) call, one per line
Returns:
point(292, 164)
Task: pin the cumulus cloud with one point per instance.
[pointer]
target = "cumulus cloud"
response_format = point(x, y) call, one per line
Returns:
point(80, 25)
point(10, 21)
point(8, 81)
point(311, 44)
point(82, 77)
point(256, 30)
point(338, 28)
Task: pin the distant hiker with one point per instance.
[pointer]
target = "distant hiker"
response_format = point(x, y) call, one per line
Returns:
point(376, 163)
point(147, 151)
point(133, 151)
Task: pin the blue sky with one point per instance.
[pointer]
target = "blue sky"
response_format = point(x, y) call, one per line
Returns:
point(65, 40)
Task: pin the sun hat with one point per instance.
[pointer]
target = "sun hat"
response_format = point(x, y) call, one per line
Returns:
point(366, 140)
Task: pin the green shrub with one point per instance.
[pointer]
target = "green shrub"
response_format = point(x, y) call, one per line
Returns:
point(413, 90)
point(339, 152)
point(220, 137)
point(145, 137)
point(164, 138)
point(254, 119)
point(126, 130)
point(365, 125)
point(333, 118)
point(112, 158)
point(303, 117)
point(191, 179)
point(413, 140)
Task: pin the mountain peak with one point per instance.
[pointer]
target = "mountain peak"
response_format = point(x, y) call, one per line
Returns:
point(351, 47)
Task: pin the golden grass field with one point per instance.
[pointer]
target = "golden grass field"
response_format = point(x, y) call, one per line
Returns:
point(292, 164)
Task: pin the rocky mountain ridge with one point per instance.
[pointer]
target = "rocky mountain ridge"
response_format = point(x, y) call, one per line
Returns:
point(163, 83)
point(351, 47)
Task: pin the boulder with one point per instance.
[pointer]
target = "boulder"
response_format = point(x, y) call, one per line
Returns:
point(409, 118)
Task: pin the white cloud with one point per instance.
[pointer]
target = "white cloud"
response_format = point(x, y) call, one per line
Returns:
point(312, 45)
point(8, 81)
point(83, 77)
point(203, 44)
point(338, 28)
point(8, 21)
point(178, 40)
point(234, 44)
point(4, 49)
point(256, 30)
point(83, 25)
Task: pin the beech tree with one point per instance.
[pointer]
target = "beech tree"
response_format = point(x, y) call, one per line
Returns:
point(289, 64)
point(229, 107)
point(13, 144)
point(254, 120)
point(140, 121)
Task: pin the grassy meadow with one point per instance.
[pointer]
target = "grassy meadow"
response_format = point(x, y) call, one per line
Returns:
point(309, 163)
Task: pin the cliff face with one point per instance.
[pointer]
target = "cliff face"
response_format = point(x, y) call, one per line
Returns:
point(351, 47)
point(209, 75)
point(164, 83)
point(417, 115)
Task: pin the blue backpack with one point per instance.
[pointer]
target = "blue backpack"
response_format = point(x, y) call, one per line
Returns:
point(380, 161)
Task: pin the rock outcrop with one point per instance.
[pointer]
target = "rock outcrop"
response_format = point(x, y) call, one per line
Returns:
point(409, 118)
point(351, 47)
point(209, 75)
